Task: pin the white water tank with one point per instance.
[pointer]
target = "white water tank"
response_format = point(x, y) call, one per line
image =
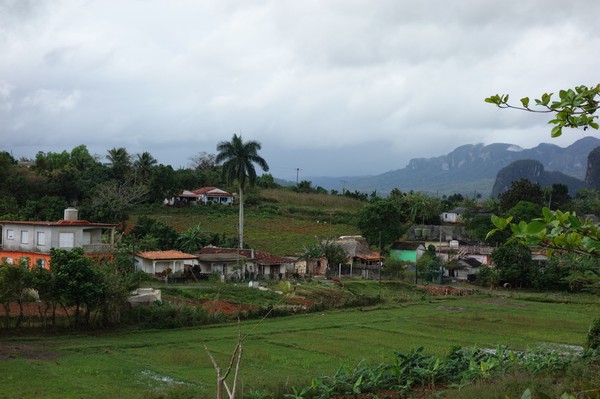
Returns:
point(71, 214)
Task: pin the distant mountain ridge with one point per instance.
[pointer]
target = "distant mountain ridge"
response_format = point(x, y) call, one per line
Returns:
point(469, 169)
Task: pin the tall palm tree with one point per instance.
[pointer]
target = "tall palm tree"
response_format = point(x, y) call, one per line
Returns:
point(120, 161)
point(238, 158)
point(143, 165)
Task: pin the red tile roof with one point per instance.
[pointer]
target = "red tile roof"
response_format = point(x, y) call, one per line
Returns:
point(165, 255)
point(263, 258)
point(207, 191)
point(59, 223)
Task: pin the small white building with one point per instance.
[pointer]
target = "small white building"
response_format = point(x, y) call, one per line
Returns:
point(453, 216)
point(154, 262)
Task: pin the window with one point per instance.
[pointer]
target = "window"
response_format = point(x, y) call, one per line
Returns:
point(40, 263)
point(10, 234)
point(66, 240)
point(41, 238)
point(24, 237)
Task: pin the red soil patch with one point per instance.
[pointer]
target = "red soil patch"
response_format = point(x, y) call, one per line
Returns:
point(440, 290)
point(33, 309)
point(216, 305)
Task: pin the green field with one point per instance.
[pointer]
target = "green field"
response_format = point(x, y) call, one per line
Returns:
point(280, 351)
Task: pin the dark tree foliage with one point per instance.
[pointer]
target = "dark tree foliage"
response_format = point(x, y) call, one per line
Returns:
point(78, 281)
point(521, 190)
point(557, 196)
point(382, 222)
point(514, 264)
point(524, 211)
point(150, 234)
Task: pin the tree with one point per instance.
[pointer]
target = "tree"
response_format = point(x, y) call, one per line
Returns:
point(112, 200)
point(77, 279)
point(14, 282)
point(575, 107)
point(514, 264)
point(524, 210)
point(143, 165)
point(521, 190)
point(328, 249)
point(382, 222)
point(238, 159)
point(192, 240)
point(120, 162)
point(266, 180)
point(150, 234)
point(429, 265)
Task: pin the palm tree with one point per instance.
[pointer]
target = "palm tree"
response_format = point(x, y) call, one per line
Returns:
point(120, 161)
point(143, 164)
point(238, 159)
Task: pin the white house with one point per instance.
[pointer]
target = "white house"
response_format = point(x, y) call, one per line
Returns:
point(154, 262)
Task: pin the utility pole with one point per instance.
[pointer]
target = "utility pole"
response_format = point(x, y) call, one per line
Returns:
point(344, 186)
point(297, 173)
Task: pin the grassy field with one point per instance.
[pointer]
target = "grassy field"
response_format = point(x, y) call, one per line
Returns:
point(280, 351)
point(282, 223)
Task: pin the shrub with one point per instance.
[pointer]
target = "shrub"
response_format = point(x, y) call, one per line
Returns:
point(164, 315)
point(593, 337)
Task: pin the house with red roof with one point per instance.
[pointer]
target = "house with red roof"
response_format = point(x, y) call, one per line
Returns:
point(31, 241)
point(246, 263)
point(203, 196)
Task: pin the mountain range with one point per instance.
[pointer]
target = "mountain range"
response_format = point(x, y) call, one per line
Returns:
point(469, 169)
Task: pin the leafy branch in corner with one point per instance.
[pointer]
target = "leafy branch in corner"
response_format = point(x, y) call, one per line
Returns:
point(556, 230)
point(575, 107)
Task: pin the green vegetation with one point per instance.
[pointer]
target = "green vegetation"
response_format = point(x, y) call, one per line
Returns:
point(268, 228)
point(279, 351)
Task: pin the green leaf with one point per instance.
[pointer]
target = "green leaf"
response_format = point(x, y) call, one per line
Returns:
point(525, 102)
point(536, 227)
point(593, 125)
point(526, 394)
point(556, 131)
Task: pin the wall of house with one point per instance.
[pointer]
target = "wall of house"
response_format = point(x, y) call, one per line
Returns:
point(40, 238)
point(26, 238)
point(159, 266)
point(404, 255)
point(33, 259)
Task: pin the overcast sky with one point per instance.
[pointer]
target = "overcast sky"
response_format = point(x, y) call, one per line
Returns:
point(334, 88)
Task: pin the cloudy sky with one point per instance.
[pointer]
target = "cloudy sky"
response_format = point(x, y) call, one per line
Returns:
point(334, 88)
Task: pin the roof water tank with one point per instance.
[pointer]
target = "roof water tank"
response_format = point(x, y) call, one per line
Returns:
point(71, 214)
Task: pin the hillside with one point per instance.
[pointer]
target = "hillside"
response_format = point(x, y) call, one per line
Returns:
point(283, 223)
point(468, 169)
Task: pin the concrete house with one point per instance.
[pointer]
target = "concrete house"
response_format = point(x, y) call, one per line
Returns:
point(244, 263)
point(157, 262)
point(31, 241)
point(312, 267)
point(203, 196)
point(453, 216)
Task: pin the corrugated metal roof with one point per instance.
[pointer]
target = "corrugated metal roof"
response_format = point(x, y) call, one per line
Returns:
point(59, 223)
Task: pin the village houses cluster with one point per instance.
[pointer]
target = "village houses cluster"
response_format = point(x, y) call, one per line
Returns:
point(31, 241)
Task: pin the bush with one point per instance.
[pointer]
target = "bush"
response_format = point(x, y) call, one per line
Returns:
point(593, 337)
point(164, 315)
